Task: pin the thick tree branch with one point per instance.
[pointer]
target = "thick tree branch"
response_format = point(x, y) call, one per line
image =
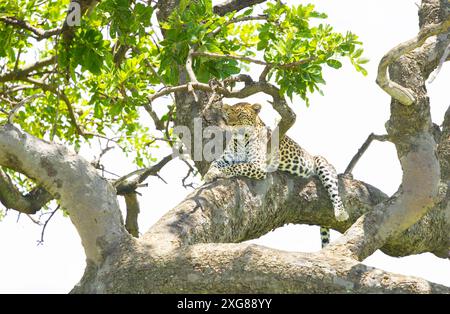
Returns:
point(244, 268)
point(409, 128)
point(235, 210)
point(90, 200)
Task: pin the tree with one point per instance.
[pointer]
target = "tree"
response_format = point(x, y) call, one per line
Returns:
point(90, 84)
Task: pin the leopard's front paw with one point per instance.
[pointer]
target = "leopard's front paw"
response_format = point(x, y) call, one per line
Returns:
point(212, 174)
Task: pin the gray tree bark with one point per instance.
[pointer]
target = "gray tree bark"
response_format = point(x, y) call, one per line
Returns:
point(196, 246)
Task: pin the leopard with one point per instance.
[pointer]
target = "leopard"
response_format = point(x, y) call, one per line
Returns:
point(247, 154)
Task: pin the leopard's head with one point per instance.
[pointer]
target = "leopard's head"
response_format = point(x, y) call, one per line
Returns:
point(242, 114)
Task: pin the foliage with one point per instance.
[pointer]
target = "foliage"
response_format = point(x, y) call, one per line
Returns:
point(110, 64)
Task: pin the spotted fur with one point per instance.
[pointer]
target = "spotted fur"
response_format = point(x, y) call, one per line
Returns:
point(246, 155)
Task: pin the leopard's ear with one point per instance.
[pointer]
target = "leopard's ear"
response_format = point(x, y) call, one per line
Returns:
point(256, 107)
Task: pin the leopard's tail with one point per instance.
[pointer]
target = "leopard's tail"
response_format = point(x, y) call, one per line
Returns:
point(324, 236)
point(328, 176)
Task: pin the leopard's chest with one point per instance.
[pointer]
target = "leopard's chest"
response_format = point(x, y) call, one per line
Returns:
point(246, 145)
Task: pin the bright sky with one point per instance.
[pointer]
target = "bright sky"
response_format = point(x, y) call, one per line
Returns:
point(334, 126)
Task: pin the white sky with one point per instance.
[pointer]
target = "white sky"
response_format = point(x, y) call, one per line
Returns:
point(334, 126)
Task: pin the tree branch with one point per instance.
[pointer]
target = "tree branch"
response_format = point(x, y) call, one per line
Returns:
point(133, 209)
point(398, 92)
point(129, 182)
point(191, 74)
point(234, 5)
point(189, 240)
point(39, 33)
point(444, 148)
point(12, 198)
point(41, 241)
point(159, 125)
point(173, 89)
point(20, 104)
point(251, 88)
point(362, 150)
point(23, 73)
point(245, 268)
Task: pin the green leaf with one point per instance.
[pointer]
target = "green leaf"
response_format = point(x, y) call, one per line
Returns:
point(357, 53)
point(248, 12)
point(334, 63)
point(362, 61)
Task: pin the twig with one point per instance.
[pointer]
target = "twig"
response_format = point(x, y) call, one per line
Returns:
point(265, 71)
point(166, 128)
point(23, 73)
point(112, 139)
point(20, 104)
point(234, 5)
point(41, 241)
point(150, 66)
point(37, 222)
point(16, 64)
point(17, 88)
point(362, 150)
point(159, 177)
point(215, 95)
point(190, 72)
point(168, 140)
point(128, 183)
point(173, 89)
point(96, 161)
point(402, 94)
point(191, 170)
